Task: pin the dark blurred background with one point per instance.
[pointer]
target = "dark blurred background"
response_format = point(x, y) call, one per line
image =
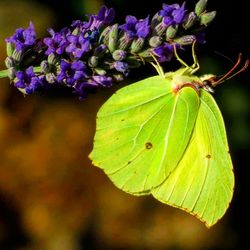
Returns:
point(52, 198)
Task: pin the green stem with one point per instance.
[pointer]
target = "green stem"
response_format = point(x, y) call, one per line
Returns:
point(4, 73)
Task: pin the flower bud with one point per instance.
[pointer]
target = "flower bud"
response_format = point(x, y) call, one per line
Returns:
point(118, 77)
point(100, 71)
point(9, 62)
point(12, 73)
point(101, 50)
point(124, 42)
point(50, 78)
point(155, 41)
point(171, 31)
point(160, 29)
point(45, 66)
point(146, 53)
point(10, 48)
point(17, 56)
point(207, 18)
point(93, 61)
point(190, 21)
point(200, 7)
point(156, 20)
point(137, 45)
point(104, 37)
point(185, 40)
point(52, 59)
point(113, 37)
point(119, 55)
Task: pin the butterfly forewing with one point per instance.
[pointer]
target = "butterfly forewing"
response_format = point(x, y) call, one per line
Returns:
point(142, 132)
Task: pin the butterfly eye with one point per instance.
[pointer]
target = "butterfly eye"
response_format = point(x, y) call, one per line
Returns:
point(207, 85)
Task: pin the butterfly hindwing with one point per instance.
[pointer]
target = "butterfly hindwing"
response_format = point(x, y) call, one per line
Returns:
point(203, 181)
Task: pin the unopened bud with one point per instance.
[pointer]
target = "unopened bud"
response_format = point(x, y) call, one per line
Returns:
point(124, 42)
point(155, 41)
point(45, 66)
point(146, 53)
point(119, 55)
point(104, 37)
point(171, 31)
point(50, 78)
point(137, 45)
point(52, 59)
point(113, 37)
point(93, 61)
point(185, 40)
point(10, 48)
point(12, 73)
point(160, 29)
point(200, 7)
point(9, 62)
point(190, 21)
point(118, 77)
point(207, 18)
point(17, 56)
point(101, 50)
point(100, 71)
point(155, 20)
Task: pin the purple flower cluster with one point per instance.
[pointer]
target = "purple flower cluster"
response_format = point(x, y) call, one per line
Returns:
point(96, 53)
point(173, 14)
point(28, 81)
point(136, 28)
point(23, 37)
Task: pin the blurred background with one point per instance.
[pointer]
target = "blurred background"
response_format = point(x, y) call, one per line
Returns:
point(51, 198)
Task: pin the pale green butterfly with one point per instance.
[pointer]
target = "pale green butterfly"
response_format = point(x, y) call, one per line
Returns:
point(165, 136)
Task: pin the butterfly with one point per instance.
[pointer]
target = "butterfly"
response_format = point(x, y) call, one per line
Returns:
point(165, 136)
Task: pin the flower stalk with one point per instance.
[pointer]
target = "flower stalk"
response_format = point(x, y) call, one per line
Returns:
point(97, 53)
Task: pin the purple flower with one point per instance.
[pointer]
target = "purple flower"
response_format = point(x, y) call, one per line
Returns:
point(23, 37)
point(136, 28)
point(165, 52)
point(72, 72)
point(172, 14)
point(90, 85)
point(29, 81)
point(77, 45)
point(57, 42)
point(105, 81)
point(121, 67)
point(104, 17)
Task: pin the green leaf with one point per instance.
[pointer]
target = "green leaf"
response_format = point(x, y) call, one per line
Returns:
point(203, 182)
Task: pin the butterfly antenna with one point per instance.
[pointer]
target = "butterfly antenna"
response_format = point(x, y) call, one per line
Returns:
point(241, 70)
point(157, 66)
point(222, 55)
point(227, 75)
